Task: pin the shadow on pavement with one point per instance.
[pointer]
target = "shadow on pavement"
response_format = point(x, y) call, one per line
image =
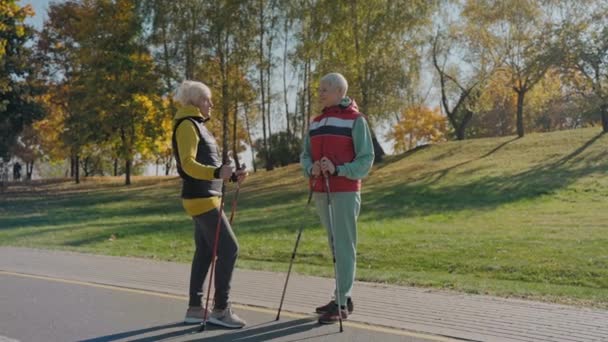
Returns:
point(132, 333)
point(259, 332)
point(265, 332)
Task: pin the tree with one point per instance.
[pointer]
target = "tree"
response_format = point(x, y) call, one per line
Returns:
point(118, 80)
point(523, 32)
point(50, 128)
point(465, 95)
point(585, 40)
point(463, 61)
point(163, 149)
point(18, 85)
point(552, 104)
point(267, 17)
point(418, 125)
point(28, 149)
point(287, 149)
point(380, 57)
point(59, 51)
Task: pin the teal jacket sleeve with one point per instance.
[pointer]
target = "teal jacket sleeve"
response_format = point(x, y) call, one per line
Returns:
point(364, 152)
point(305, 157)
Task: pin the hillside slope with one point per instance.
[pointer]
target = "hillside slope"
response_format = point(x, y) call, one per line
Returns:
point(513, 217)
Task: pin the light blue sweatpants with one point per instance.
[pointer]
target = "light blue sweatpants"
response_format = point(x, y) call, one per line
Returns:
point(346, 207)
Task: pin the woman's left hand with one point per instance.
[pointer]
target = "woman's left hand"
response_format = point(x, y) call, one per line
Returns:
point(241, 175)
point(327, 166)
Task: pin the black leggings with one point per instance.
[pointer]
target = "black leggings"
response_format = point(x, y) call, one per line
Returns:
point(227, 252)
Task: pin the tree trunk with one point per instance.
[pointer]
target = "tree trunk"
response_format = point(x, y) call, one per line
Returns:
point(189, 46)
point(168, 165)
point(285, 77)
point(460, 132)
point(222, 52)
point(303, 100)
point(249, 139)
point(308, 94)
point(295, 112)
point(520, 112)
point(85, 166)
point(166, 59)
point(604, 110)
point(128, 172)
point(269, 161)
point(262, 84)
point(77, 169)
point(235, 154)
point(115, 167)
point(72, 166)
point(462, 128)
point(29, 170)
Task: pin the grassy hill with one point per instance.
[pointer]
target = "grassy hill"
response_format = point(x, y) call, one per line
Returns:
point(511, 217)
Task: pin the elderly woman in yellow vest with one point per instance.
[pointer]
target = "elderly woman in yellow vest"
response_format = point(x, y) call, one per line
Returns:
point(200, 166)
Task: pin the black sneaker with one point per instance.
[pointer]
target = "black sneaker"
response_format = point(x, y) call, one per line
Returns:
point(331, 316)
point(330, 306)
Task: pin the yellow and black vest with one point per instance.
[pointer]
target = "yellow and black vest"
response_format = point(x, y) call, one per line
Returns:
point(207, 154)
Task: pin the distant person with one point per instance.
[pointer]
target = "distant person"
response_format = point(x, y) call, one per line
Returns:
point(17, 171)
point(200, 166)
point(338, 146)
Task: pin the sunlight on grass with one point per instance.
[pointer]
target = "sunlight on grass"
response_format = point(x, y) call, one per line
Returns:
point(511, 217)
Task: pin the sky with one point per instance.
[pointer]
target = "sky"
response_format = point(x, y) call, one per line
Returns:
point(40, 7)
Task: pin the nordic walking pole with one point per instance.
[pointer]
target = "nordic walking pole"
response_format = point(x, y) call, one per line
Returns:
point(236, 194)
point(293, 254)
point(213, 257)
point(333, 247)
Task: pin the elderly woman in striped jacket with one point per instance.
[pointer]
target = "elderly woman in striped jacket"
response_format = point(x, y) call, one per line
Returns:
point(338, 146)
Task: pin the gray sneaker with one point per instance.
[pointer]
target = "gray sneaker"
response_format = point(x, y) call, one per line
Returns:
point(226, 318)
point(195, 314)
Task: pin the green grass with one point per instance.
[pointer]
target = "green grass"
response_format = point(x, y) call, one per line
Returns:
point(511, 217)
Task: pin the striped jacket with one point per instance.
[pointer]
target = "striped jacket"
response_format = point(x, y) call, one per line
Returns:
point(331, 136)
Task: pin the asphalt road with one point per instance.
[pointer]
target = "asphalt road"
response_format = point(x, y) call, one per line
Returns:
point(39, 309)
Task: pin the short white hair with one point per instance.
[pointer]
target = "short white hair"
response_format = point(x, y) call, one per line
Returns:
point(336, 80)
point(191, 92)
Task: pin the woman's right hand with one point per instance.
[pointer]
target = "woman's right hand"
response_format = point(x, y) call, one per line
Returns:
point(316, 169)
point(226, 172)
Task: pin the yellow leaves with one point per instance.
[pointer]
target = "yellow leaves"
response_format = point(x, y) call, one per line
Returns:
point(27, 11)
point(49, 129)
point(498, 91)
point(418, 125)
point(547, 89)
point(144, 103)
point(11, 23)
point(144, 58)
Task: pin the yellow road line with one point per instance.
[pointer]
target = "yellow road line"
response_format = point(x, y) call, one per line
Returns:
point(368, 327)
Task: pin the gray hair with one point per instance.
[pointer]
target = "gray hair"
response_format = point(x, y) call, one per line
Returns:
point(336, 80)
point(190, 92)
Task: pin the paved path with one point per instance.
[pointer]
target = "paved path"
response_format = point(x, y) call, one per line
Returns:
point(49, 310)
point(439, 313)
